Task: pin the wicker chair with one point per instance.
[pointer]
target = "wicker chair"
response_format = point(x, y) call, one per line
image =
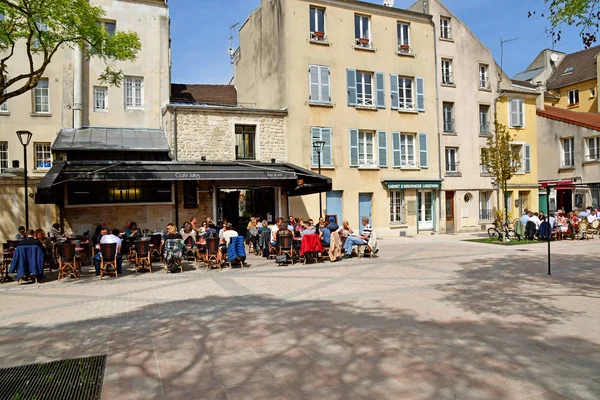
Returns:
point(143, 256)
point(189, 248)
point(286, 246)
point(7, 255)
point(67, 261)
point(212, 248)
point(109, 259)
point(156, 242)
point(173, 254)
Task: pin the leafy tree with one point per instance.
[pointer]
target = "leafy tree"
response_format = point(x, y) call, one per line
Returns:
point(500, 158)
point(37, 29)
point(584, 14)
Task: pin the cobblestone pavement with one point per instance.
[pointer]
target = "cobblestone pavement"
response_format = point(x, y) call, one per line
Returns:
point(432, 317)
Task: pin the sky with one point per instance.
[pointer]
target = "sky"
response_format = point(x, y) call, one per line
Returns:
point(200, 33)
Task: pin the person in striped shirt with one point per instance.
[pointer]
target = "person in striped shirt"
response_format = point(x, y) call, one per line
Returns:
point(358, 240)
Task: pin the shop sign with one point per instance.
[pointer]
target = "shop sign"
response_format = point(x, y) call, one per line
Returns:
point(412, 185)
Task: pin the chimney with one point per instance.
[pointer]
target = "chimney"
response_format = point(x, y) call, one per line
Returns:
point(539, 102)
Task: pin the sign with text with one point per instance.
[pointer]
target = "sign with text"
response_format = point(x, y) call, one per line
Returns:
point(395, 185)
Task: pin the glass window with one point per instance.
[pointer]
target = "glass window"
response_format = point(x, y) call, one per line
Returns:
point(484, 82)
point(568, 155)
point(447, 71)
point(134, 93)
point(110, 28)
point(362, 30)
point(41, 97)
point(593, 148)
point(484, 120)
point(366, 155)
point(364, 88)
point(484, 168)
point(118, 192)
point(397, 206)
point(405, 86)
point(445, 27)
point(43, 155)
point(485, 212)
point(407, 150)
point(244, 142)
point(403, 37)
point(451, 160)
point(3, 156)
point(4, 106)
point(573, 97)
point(317, 21)
point(100, 98)
point(448, 109)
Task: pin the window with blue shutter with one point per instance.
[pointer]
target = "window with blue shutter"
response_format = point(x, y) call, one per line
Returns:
point(395, 91)
point(420, 83)
point(319, 87)
point(396, 155)
point(324, 134)
point(325, 85)
point(380, 89)
point(527, 158)
point(353, 147)
point(423, 152)
point(382, 145)
point(516, 117)
point(315, 134)
point(351, 84)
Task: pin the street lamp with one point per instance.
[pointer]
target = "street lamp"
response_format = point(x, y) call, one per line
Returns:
point(318, 146)
point(25, 138)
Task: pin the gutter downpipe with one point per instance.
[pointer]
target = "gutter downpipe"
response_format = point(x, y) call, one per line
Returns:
point(176, 183)
point(439, 135)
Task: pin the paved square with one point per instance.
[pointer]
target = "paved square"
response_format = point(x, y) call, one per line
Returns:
point(432, 317)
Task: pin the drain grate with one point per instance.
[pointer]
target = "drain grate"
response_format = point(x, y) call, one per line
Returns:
point(77, 378)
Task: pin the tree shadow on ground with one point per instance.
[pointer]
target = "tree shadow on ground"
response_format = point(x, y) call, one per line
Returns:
point(259, 347)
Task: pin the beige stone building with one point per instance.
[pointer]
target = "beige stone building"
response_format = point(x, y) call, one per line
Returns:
point(359, 77)
point(70, 97)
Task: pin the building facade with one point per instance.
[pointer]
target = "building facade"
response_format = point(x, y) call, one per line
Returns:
point(360, 78)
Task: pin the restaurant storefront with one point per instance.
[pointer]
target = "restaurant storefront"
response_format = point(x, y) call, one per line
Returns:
point(414, 205)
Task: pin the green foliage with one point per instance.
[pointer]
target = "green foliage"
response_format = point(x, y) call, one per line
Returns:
point(37, 29)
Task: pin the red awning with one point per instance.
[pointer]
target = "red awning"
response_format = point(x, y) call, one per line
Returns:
point(559, 185)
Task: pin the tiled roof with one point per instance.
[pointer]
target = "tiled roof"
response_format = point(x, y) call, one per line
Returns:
point(204, 94)
point(574, 68)
point(551, 96)
point(587, 120)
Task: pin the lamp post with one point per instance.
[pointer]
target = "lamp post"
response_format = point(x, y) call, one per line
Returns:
point(318, 146)
point(25, 138)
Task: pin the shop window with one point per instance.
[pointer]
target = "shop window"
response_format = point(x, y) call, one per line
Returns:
point(80, 193)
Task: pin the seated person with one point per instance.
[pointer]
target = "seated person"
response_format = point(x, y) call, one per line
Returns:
point(55, 231)
point(22, 234)
point(536, 220)
point(309, 228)
point(274, 231)
point(332, 225)
point(172, 232)
point(46, 242)
point(325, 234)
point(228, 233)
point(187, 231)
point(211, 231)
point(31, 240)
point(358, 240)
point(113, 237)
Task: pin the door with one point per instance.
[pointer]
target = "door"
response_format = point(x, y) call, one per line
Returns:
point(364, 208)
point(523, 196)
point(564, 199)
point(334, 205)
point(543, 203)
point(425, 210)
point(449, 212)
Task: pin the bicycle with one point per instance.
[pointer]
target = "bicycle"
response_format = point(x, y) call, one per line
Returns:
point(496, 233)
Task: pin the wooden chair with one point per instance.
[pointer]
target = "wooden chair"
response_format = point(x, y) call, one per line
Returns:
point(67, 261)
point(594, 228)
point(143, 256)
point(7, 255)
point(108, 252)
point(212, 249)
point(131, 243)
point(273, 251)
point(173, 254)
point(583, 229)
point(286, 246)
point(360, 251)
point(156, 248)
point(189, 248)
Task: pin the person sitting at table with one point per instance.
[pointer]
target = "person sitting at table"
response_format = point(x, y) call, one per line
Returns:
point(172, 232)
point(22, 234)
point(332, 225)
point(299, 227)
point(55, 231)
point(107, 238)
point(274, 231)
point(291, 223)
point(325, 234)
point(101, 225)
point(32, 240)
point(132, 231)
point(46, 242)
point(228, 233)
point(309, 228)
point(358, 240)
point(187, 231)
point(284, 230)
point(253, 233)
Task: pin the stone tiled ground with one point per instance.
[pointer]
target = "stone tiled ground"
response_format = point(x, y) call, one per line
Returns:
point(430, 318)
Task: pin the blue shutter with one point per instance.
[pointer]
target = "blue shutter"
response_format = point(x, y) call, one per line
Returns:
point(380, 88)
point(420, 83)
point(354, 147)
point(325, 85)
point(315, 134)
point(395, 91)
point(396, 159)
point(382, 144)
point(527, 165)
point(423, 156)
point(313, 81)
point(327, 159)
point(351, 83)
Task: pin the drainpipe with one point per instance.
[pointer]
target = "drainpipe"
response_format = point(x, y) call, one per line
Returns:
point(175, 133)
point(77, 88)
point(439, 134)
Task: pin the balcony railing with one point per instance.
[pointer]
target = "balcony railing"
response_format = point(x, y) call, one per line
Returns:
point(447, 78)
point(485, 215)
point(452, 168)
point(593, 157)
point(484, 83)
point(445, 32)
point(567, 163)
point(365, 102)
point(407, 105)
point(449, 126)
point(484, 128)
point(408, 163)
point(367, 164)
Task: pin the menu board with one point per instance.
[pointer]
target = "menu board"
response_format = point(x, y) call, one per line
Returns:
point(190, 195)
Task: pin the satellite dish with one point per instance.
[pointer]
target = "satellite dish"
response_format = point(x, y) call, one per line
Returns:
point(554, 57)
point(388, 3)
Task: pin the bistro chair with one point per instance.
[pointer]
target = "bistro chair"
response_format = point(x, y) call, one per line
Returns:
point(131, 244)
point(594, 228)
point(67, 261)
point(156, 246)
point(212, 249)
point(143, 258)
point(583, 229)
point(108, 253)
point(286, 246)
point(7, 255)
point(236, 251)
point(189, 248)
point(173, 255)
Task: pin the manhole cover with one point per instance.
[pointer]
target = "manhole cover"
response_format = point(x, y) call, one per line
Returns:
point(77, 378)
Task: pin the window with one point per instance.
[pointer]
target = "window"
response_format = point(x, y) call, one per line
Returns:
point(405, 86)
point(485, 212)
point(573, 97)
point(119, 192)
point(447, 72)
point(516, 110)
point(364, 88)
point(244, 142)
point(317, 24)
point(100, 99)
point(319, 90)
point(484, 82)
point(568, 155)
point(445, 28)
point(451, 160)
point(366, 157)
point(484, 120)
point(110, 28)
point(4, 106)
point(362, 31)
point(568, 70)
point(484, 169)
point(448, 109)
point(397, 206)
point(3, 156)
point(407, 150)
point(43, 156)
point(403, 38)
point(134, 93)
point(593, 145)
point(324, 134)
point(41, 97)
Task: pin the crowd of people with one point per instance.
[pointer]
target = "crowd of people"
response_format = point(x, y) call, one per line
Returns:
point(560, 222)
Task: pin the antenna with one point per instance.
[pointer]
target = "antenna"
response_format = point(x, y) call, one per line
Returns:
point(231, 50)
point(502, 53)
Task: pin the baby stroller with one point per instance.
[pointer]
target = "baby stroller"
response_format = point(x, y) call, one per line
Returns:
point(173, 255)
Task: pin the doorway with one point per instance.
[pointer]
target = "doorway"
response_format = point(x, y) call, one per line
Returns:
point(564, 199)
point(364, 208)
point(449, 212)
point(523, 197)
point(238, 205)
point(425, 217)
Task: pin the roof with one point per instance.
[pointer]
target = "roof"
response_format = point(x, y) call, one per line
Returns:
point(204, 94)
point(581, 66)
point(551, 96)
point(528, 75)
point(111, 139)
point(586, 120)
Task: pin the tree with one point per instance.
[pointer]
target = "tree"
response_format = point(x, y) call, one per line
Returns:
point(500, 158)
point(583, 14)
point(37, 29)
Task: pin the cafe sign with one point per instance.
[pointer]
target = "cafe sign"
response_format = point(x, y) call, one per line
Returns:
point(394, 185)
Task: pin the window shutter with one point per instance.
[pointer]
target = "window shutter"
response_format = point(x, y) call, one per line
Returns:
point(396, 149)
point(325, 86)
point(521, 112)
point(380, 88)
point(382, 144)
point(420, 83)
point(354, 147)
point(423, 157)
point(326, 154)
point(351, 83)
point(395, 91)
point(315, 134)
point(527, 159)
point(314, 93)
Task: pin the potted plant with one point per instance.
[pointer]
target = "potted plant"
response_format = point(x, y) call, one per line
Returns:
point(363, 41)
point(319, 35)
point(404, 48)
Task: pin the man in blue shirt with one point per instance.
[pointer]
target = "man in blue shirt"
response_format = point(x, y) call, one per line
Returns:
point(525, 218)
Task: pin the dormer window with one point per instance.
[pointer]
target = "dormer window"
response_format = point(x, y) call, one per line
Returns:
point(317, 24)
